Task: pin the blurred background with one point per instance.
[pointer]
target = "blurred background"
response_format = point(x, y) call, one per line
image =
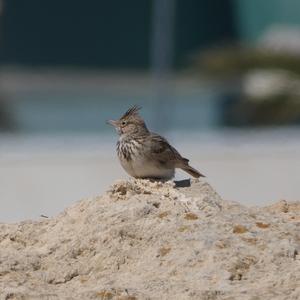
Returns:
point(220, 79)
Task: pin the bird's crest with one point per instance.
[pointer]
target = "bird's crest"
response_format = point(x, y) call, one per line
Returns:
point(132, 111)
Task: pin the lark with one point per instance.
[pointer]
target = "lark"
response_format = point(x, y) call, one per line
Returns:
point(144, 154)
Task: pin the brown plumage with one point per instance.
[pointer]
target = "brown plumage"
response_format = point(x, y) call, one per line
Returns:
point(144, 154)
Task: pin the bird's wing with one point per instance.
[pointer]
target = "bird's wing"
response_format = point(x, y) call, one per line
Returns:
point(161, 150)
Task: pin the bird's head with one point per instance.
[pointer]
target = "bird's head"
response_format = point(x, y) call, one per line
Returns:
point(130, 123)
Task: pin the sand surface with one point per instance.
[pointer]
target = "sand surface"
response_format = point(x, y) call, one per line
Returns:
point(144, 240)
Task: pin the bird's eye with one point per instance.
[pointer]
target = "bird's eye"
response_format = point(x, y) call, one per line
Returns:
point(123, 123)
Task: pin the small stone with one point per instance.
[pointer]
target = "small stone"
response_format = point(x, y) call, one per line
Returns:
point(239, 229)
point(163, 214)
point(191, 216)
point(164, 251)
point(262, 225)
point(183, 228)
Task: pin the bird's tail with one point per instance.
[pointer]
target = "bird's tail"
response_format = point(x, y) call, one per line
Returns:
point(192, 171)
point(183, 164)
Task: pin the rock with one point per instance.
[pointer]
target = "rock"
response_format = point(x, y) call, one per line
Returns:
point(152, 240)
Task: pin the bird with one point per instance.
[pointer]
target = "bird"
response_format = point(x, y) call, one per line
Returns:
point(144, 154)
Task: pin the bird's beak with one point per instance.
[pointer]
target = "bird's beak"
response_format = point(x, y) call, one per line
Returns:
point(112, 122)
point(116, 124)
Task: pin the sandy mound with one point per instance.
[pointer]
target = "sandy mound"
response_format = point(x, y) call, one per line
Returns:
point(144, 240)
